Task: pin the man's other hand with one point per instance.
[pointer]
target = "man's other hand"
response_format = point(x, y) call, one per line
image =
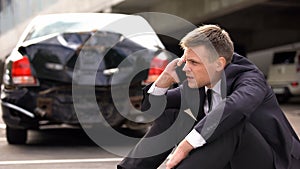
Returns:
point(179, 154)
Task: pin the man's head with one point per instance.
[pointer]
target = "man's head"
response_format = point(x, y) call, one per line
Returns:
point(207, 51)
point(215, 39)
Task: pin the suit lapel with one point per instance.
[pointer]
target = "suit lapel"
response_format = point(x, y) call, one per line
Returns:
point(194, 99)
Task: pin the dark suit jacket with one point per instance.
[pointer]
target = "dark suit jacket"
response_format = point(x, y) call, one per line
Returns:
point(247, 97)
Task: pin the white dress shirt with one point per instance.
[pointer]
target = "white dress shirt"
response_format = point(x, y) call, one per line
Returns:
point(194, 138)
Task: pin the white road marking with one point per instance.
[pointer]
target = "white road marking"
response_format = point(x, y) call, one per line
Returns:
point(60, 161)
point(2, 126)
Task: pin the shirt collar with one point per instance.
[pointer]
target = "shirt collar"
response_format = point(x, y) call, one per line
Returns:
point(216, 88)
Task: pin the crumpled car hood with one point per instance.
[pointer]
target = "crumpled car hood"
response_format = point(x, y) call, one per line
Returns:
point(89, 58)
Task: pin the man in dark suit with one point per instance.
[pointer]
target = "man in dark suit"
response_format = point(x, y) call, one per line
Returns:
point(224, 115)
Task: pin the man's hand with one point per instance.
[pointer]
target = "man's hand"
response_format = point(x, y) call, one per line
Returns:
point(179, 154)
point(169, 75)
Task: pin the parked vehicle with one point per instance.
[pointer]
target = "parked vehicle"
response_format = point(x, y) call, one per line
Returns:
point(284, 75)
point(54, 50)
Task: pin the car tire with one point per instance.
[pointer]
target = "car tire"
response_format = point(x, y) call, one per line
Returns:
point(111, 115)
point(1, 70)
point(282, 98)
point(16, 136)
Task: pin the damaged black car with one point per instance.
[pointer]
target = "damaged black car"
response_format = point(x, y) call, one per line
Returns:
point(67, 59)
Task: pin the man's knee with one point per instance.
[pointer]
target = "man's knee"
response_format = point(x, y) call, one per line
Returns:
point(253, 151)
point(242, 147)
point(251, 133)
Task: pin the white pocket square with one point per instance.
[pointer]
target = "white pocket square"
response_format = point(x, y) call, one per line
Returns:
point(189, 112)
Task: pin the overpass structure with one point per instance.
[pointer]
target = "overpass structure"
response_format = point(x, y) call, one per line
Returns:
point(253, 24)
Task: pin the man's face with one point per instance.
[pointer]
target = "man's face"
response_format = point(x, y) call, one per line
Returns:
point(199, 70)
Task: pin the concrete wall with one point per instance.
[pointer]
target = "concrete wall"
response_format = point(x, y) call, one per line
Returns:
point(16, 14)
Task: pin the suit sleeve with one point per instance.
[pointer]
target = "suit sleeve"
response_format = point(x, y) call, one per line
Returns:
point(171, 100)
point(249, 91)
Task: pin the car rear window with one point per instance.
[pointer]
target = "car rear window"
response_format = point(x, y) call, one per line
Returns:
point(284, 57)
point(50, 28)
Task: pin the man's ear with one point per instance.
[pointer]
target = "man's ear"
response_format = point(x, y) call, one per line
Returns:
point(221, 63)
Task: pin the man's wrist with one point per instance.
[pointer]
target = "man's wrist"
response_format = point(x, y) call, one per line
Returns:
point(195, 139)
point(164, 81)
point(154, 90)
point(185, 146)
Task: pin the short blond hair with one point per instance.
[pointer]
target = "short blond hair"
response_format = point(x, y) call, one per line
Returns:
point(213, 37)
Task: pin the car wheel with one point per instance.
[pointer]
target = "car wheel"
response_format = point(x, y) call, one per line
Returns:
point(282, 98)
point(16, 136)
point(1, 70)
point(111, 115)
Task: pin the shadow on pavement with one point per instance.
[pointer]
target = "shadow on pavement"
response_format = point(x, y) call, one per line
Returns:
point(70, 137)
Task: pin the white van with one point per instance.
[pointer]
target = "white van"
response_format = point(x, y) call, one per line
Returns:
point(284, 74)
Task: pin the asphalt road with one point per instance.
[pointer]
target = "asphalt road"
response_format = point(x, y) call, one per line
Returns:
point(72, 148)
point(58, 149)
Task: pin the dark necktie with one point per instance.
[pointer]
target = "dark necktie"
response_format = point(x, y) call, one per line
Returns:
point(209, 99)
